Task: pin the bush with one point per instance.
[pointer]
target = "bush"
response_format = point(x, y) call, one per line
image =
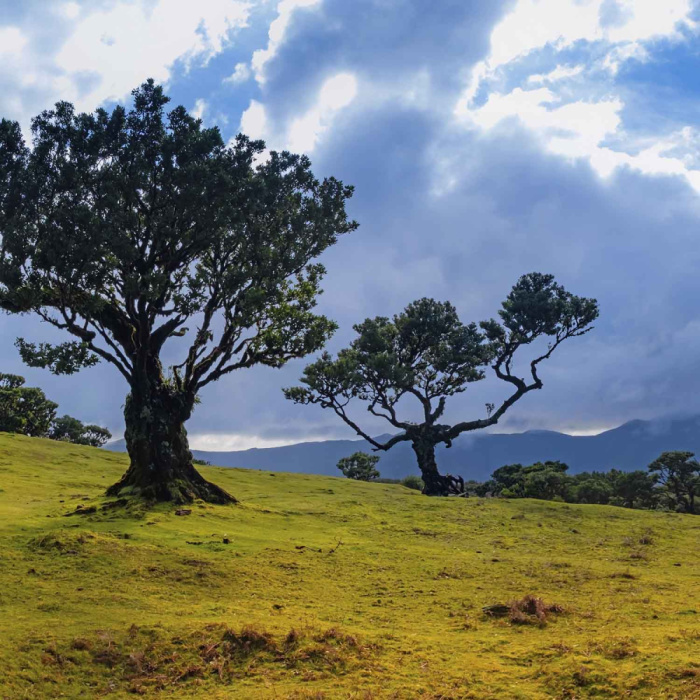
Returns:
point(413, 482)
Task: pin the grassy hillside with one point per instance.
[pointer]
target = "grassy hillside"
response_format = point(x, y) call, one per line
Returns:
point(332, 589)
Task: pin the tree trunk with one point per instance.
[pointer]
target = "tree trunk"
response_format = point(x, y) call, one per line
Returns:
point(435, 483)
point(161, 466)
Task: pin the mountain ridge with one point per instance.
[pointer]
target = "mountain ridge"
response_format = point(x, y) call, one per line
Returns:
point(632, 445)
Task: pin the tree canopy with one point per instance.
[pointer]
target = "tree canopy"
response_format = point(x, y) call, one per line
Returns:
point(679, 472)
point(132, 228)
point(24, 410)
point(550, 481)
point(428, 355)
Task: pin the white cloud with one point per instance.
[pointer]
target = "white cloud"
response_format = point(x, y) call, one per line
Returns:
point(534, 24)
point(71, 10)
point(623, 53)
point(305, 131)
point(554, 76)
point(200, 107)
point(658, 159)
point(579, 128)
point(241, 73)
point(573, 129)
point(12, 42)
point(132, 41)
point(254, 121)
point(230, 442)
point(337, 92)
point(645, 19)
point(276, 34)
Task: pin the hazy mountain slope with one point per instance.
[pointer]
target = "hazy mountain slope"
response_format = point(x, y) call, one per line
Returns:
point(631, 446)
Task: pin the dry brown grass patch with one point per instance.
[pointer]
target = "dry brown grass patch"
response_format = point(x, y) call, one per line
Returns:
point(143, 660)
point(529, 610)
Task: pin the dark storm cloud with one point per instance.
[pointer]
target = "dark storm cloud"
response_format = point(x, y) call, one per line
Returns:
point(631, 242)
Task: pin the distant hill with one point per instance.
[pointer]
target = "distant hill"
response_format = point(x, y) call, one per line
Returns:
point(631, 446)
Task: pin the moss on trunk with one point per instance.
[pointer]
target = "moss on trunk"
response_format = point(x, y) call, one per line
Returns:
point(161, 466)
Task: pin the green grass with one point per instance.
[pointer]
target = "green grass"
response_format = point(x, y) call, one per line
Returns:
point(332, 589)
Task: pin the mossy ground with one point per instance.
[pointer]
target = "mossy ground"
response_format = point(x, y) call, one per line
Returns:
point(331, 589)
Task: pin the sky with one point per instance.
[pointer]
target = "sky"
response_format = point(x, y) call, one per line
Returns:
point(485, 138)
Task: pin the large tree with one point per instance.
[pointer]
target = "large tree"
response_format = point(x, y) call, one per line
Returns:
point(427, 354)
point(128, 229)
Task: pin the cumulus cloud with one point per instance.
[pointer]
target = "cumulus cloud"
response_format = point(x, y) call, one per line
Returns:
point(574, 129)
point(571, 127)
point(336, 93)
point(559, 73)
point(90, 54)
point(200, 108)
point(241, 73)
point(70, 9)
point(254, 121)
point(131, 40)
point(276, 34)
point(12, 42)
point(533, 24)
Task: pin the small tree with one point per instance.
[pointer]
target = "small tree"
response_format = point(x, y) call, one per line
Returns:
point(135, 229)
point(360, 466)
point(69, 429)
point(679, 472)
point(24, 410)
point(427, 354)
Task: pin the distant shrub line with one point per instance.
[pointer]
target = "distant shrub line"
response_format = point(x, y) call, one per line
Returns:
point(671, 482)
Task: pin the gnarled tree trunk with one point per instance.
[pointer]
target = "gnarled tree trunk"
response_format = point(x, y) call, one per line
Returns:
point(435, 483)
point(161, 466)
